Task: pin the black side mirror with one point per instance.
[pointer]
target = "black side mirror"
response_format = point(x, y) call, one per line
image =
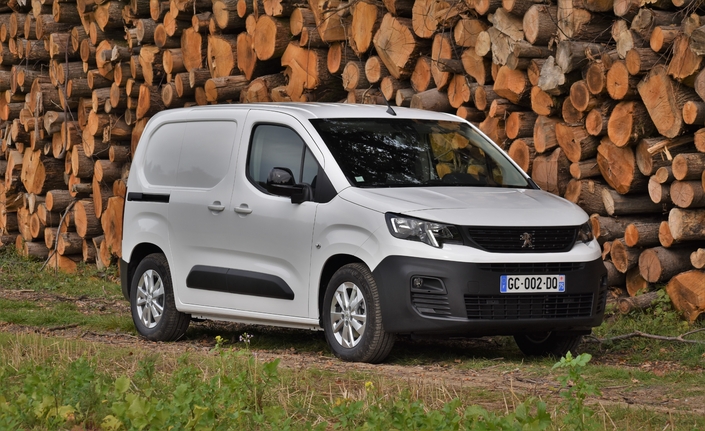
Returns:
point(303, 193)
point(281, 182)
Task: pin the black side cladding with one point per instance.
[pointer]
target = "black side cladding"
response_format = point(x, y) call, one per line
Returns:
point(237, 281)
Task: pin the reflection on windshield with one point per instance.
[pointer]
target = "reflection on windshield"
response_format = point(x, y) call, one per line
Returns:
point(403, 153)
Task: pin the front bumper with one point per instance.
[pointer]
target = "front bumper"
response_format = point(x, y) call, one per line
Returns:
point(458, 298)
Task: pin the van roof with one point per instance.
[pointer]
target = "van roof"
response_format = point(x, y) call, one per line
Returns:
point(328, 110)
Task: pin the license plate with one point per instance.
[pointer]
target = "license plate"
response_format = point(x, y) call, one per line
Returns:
point(531, 283)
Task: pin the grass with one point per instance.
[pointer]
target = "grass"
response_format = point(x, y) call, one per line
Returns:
point(657, 371)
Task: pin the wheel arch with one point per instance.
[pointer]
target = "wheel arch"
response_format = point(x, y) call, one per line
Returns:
point(333, 264)
point(139, 252)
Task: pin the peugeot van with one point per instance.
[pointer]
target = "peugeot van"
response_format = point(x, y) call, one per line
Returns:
point(362, 221)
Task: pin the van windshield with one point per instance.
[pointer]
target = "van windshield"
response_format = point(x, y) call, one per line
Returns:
point(407, 153)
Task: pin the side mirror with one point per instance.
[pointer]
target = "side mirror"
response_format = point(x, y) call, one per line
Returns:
point(281, 182)
point(303, 193)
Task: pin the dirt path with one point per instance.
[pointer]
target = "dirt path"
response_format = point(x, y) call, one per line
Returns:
point(490, 378)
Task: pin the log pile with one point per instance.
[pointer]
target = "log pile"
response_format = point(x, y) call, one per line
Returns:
point(603, 102)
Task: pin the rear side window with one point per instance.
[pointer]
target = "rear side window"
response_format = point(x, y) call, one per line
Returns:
point(279, 147)
point(190, 154)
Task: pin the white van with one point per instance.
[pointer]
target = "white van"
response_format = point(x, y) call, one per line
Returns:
point(364, 221)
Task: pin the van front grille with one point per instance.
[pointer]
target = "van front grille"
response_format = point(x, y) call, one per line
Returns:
point(528, 306)
point(532, 268)
point(523, 239)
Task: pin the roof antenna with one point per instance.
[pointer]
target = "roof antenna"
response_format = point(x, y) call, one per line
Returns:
point(390, 111)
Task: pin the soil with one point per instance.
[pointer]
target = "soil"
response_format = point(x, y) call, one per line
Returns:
point(490, 378)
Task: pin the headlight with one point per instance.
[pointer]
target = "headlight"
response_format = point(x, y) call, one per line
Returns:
point(431, 233)
point(585, 233)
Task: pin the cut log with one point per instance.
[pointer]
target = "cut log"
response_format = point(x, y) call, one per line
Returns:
point(687, 292)
point(545, 104)
point(478, 67)
point(221, 55)
point(658, 192)
point(540, 24)
point(87, 224)
point(523, 153)
point(576, 143)
point(641, 234)
point(618, 167)
point(639, 302)
point(659, 264)
point(688, 166)
point(614, 277)
point(513, 85)
point(611, 228)
point(617, 204)
point(654, 153)
point(552, 172)
point(664, 99)
point(620, 84)
point(697, 258)
point(688, 194)
point(588, 195)
point(687, 225)
point(624, 258)
point(271, 37)
point(396, 45)
point(545, 134)
point(421, 77)
point(585, 169)
point(366, 18)
point(520, 124)
point(685, 63)
point(635, 282)
point(112, 225)
point(629, 122)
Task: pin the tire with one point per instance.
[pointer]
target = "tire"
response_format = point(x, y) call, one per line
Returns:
point(548, 344)
point(152, 301)
point(369, 342)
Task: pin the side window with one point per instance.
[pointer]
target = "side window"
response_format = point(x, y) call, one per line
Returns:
point(205, 159)
point(162, 155)
point(182, 155)
point(279, 147)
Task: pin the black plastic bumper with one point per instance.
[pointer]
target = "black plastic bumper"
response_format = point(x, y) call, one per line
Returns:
point(456, 298)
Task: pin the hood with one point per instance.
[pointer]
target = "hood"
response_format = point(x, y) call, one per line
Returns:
point(471, 206)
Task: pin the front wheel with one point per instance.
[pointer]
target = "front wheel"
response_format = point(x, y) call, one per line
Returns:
point(548, 343)
point(352, 318)
point(152, 301)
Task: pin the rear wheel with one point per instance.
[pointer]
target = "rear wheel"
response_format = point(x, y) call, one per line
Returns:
point(352, 318)
point(548, 343)
point(152, 301)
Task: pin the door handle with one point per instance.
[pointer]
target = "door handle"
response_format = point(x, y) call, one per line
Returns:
point(216, 206)
point(243, 209)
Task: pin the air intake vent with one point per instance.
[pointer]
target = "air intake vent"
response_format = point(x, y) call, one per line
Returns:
point(523, 239)
point(436, 305)
point(528, 306)
point(532, 268)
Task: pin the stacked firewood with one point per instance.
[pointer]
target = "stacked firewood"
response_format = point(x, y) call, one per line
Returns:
point(600, 100)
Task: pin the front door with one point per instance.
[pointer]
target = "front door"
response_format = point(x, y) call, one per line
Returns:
point(271, 236)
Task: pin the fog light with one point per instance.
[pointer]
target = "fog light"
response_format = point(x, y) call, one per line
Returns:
point(417, 282)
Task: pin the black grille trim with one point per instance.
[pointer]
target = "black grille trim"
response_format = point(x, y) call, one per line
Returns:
point(510, 239)
point(430, 304)
point(532, 268)
point(528, 306)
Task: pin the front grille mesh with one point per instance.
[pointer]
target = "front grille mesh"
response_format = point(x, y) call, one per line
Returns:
point(523, 239)
point(532, 268)
point(528, 306)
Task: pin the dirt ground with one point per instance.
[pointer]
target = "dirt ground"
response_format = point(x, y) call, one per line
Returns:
point(490, 378)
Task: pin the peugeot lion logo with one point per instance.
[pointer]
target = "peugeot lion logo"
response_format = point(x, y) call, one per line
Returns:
point(528, 240)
